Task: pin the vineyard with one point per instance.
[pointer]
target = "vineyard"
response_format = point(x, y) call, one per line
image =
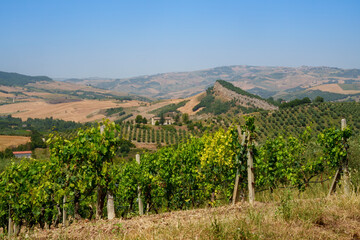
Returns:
point(269, 124)
point(295, 120)
point(81, 175)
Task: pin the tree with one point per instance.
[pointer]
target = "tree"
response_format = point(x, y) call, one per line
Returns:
point(319, 99)
point(36, 140)
point(185, 118)
point(139, 119)
point(177, 118)
point(162, 119)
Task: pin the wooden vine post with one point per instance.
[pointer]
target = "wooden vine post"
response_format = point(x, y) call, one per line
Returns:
point(10, 227)
point(141, 205)
point(250, 167)
point(248, 142)
point(342, 170)
point(237, 177)
point(64, 212)
point(110, 197)
point(345, 163)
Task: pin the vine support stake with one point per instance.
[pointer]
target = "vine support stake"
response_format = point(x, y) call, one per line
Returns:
point(250, 165)
point(10, 227)
point(237, 177)
point(64, 212)
point(345, 164)
point(141, 205)
point(335, 181)
point(342, 170)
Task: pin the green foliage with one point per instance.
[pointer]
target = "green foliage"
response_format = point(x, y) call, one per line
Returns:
point(288, 161)
point(334, 142)
point(169, 108)
point(15, 126)
point(319, 99)
point(37, 140)
point(138, 119)
point(295, 103)
point(110, 111)
point(205, 101)
point(124, 118)
point(212, 105)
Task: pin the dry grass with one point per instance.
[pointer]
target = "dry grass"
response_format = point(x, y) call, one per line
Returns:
point(322, 218)
point(9, 141)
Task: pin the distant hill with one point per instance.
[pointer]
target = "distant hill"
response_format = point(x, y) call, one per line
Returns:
point(40, 97)
point(266, 81)
point(42, 87)
point(16, 79)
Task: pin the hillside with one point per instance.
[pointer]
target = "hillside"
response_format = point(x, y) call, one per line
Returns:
point(293, 121)
point(229, 92)
point(264, 80)
point(15, 79)
point(224, 97)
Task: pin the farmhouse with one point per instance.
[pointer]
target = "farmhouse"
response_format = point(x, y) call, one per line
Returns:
point(167, 120)
point(22, 154)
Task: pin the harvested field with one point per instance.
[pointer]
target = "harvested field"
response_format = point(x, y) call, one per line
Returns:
point(334, 88)
point(82, 111)
point(9, 141)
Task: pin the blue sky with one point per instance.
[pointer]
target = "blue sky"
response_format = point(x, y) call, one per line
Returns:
point(75, 38)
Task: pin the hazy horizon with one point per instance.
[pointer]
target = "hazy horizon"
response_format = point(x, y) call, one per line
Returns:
point(118, 39)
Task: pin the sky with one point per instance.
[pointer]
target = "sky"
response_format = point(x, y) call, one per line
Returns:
point(117, 39)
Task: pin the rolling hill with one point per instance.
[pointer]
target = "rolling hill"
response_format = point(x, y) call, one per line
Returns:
point(224, 97)
point(40, 97)
point(266, 81)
